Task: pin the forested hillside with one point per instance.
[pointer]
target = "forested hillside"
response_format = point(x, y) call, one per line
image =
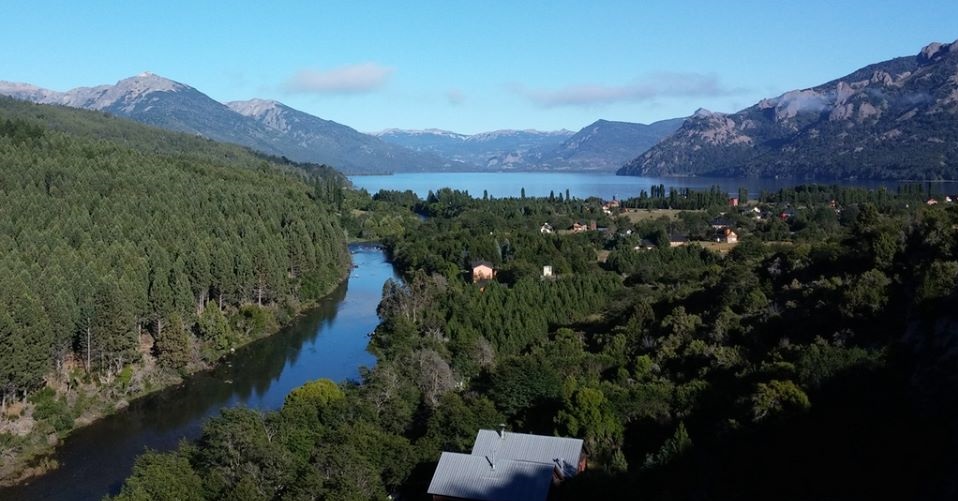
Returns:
point(813, 360)
point(123, 246)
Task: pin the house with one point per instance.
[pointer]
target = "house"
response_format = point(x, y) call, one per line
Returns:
point(733, 202)
point(608, 206)
point(755, 213)
point(931, 201)
point(730, 236)
point(506, 466)
point(644, 244)
point(547, 271)
point(579, 228)
point(482, 270)
point(720, 223)
point(678, 239)
point(546, 229)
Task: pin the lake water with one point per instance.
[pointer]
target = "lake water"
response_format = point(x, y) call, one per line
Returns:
point(328, 342)
point(579, 184)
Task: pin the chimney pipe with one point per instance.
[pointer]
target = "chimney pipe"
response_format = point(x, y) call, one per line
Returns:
point(502, 430)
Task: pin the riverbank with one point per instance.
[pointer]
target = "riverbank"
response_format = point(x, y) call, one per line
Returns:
point(32, 431)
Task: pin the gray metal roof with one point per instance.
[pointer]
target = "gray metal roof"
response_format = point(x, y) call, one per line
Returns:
point(473, 477)
point(558, 451)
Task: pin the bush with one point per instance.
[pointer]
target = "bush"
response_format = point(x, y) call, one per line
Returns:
point(49, 409)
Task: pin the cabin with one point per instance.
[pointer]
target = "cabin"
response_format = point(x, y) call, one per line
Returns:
point(730, 236)
point(506, 466)
point(608, 206)
point(678, 239)
point(482, 271)
point(547, 271)
point(644, 244)
point(720, 223)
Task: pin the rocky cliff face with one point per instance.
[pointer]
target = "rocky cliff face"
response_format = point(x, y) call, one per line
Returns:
point(893, 120)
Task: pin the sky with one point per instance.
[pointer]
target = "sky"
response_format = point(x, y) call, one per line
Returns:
point(469, 66)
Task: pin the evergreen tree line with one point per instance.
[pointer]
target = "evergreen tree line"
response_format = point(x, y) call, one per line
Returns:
point(112, 233)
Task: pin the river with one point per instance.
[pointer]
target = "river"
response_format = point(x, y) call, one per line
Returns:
point(328, 342)
point(579, 184)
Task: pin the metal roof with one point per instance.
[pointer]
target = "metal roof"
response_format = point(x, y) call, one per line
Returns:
point(468, 476)
point(557, 451)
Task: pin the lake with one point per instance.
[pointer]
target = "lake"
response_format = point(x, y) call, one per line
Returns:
point(580, 184)
point(328, 342)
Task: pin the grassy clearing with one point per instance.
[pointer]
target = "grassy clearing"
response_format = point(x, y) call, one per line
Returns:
point(639, 215)
point(720, 247)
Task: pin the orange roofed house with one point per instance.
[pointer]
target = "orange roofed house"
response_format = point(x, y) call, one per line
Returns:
point(505, 466)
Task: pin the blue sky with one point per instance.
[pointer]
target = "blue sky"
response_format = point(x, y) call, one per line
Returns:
point(473, 66)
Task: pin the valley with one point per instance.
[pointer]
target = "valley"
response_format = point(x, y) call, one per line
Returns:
point(439, 251)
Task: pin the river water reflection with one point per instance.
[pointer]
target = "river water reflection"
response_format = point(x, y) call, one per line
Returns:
point(329, 342)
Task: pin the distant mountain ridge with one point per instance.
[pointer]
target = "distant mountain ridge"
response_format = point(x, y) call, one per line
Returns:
point(607, 145)
point(896, 119)
point(602, 145)
point(475, 149)
point(266, 126)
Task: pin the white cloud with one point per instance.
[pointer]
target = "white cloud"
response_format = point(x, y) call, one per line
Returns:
point(350, 79)
point(658, 85)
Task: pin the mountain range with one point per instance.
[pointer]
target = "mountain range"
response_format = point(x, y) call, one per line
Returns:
point(602, 145)
point(266, 126)
point(896, 119)
point(273, 128)
point(476, 149)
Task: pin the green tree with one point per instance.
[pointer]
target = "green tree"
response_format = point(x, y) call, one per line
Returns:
point(776, 397)
point(162, 477)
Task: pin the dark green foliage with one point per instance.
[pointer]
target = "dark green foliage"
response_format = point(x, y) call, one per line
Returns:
point(703, 376)
point(52, 410)
point(110, 230)
point(162, 477)
point(173, 345)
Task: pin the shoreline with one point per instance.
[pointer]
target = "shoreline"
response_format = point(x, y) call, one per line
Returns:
point(41, 460)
